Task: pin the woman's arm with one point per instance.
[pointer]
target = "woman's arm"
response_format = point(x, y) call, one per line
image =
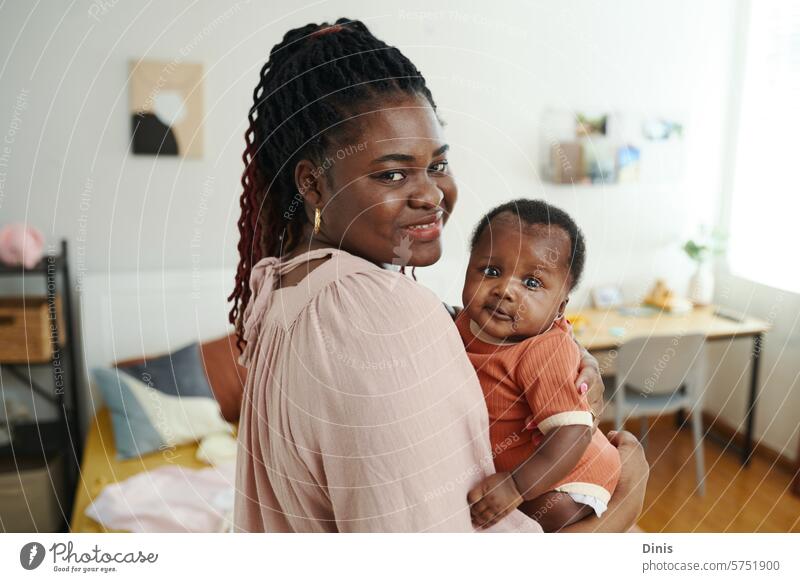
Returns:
point(628, 499)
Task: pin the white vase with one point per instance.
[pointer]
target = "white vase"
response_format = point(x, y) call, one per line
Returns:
point(701, 285)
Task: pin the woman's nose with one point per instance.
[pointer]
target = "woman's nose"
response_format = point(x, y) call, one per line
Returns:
point(427, 196)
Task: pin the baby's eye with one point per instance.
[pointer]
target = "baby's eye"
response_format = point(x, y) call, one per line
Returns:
point(532, 283)
point(490, 271)
point(440, 167)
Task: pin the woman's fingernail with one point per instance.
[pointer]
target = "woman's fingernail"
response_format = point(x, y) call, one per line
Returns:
point(584, 388)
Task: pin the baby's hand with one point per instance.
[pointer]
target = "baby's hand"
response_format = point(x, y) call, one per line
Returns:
point(493, 499)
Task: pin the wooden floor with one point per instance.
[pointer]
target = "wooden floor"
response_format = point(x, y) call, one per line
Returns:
point(752, 499)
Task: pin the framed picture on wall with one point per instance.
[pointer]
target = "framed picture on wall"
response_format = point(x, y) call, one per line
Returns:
point(166, 108)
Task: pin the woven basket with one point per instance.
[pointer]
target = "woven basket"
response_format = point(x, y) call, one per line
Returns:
point(25, 334)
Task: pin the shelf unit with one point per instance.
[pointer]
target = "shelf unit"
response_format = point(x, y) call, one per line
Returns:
point(60, 436)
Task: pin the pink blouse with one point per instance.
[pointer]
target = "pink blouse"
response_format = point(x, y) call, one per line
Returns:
point(361, 410)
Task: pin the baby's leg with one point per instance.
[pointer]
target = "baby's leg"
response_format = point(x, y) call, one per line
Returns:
point(554, 510)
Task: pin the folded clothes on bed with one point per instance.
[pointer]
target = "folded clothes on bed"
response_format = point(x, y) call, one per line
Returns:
point(168, 499)
point(217, 449)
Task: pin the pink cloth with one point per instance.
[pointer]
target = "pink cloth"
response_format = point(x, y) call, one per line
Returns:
point(361, 411)
point(21, 245)
point(168, 499)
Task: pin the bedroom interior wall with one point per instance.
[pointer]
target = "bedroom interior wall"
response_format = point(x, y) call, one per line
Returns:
point(492, 71)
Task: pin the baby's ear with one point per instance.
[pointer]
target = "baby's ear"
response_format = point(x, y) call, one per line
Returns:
point(563, 307)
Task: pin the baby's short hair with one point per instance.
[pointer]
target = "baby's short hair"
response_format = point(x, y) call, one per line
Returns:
point(540, 212)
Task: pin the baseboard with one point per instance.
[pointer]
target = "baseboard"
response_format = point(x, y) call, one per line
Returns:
point(722, 429)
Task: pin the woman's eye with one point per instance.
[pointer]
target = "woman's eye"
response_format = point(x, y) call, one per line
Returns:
point(394, 176)
point(532, 283)
point(439, 167)
point(490, 271)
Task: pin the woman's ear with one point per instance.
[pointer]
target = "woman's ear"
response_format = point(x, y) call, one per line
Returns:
point(310, 181)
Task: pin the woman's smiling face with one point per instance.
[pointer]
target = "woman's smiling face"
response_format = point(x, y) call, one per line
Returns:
point(387, 190)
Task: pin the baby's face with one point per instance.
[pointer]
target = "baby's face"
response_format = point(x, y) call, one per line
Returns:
point(518, 278)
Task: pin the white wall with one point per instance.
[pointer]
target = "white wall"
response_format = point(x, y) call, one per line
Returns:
point(492, 71)
point(777, 418)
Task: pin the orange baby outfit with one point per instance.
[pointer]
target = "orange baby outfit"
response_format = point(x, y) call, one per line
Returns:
point(537, 377)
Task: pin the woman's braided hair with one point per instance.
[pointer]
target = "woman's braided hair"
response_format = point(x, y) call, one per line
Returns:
point(318, 76)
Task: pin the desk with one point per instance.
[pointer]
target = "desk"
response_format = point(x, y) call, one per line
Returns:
point(595, 335)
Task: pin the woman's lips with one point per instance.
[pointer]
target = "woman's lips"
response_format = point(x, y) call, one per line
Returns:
point(425, 232)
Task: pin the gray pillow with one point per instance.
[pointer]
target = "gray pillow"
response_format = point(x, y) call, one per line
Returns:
point(180, 373)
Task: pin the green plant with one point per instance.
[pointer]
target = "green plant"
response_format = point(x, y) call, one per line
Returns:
point(701, 249)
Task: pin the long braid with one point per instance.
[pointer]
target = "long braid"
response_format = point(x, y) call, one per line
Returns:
point(316, 78)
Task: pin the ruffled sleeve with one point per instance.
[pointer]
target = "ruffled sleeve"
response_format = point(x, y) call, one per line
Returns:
point(262, 280)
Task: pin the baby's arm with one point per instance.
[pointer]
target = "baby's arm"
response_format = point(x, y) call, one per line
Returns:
point(556, 456)
point(501, 493)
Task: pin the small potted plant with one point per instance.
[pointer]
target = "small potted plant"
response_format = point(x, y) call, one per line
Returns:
point(700, 250)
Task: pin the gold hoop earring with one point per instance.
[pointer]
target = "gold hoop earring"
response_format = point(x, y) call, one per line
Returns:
point(317, 220)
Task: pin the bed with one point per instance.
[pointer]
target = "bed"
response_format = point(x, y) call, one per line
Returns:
point(148, 314)
point(100, 467)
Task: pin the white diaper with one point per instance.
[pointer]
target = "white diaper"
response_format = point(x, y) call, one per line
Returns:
point(595, 503)
point(589, 494)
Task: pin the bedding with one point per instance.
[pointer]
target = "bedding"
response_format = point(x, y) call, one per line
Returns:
point(147, 419)
point(219, 359)
point(169, 499)
point(101, 467)
point(179, 373)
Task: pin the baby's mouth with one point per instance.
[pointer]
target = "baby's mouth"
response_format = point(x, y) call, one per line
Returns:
point(498, 312)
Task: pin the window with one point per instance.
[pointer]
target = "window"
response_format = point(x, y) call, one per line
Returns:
point(765, 205)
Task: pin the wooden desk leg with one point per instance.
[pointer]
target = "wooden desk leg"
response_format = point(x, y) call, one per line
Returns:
point(747, 448)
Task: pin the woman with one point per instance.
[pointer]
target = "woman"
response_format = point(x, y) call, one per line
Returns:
point(361, 410)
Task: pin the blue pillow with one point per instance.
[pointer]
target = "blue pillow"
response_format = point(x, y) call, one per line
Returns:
point(160, 404)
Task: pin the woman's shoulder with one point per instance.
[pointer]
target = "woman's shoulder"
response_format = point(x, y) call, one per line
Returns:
point(348, 288)
point(378, 284)
point(383, 295)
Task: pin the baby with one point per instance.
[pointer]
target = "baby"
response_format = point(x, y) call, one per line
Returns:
point(526, 257)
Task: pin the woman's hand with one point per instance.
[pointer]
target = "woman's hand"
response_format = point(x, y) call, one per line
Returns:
point(635, 469)
point(628, 499)
point(590, 382)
